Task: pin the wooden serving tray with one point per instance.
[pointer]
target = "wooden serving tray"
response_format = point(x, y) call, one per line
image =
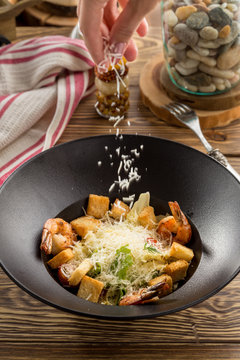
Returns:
point(158, 90)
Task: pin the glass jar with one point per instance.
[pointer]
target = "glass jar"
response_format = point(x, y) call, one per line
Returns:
point(202, 44)
point(112, 90)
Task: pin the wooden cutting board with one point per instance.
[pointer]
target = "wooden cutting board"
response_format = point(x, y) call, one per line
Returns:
point(158, 90)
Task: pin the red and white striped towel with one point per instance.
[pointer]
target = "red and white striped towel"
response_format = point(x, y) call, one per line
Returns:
point(42, 81)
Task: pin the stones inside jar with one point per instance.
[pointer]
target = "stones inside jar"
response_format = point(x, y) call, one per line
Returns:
point(203, 42)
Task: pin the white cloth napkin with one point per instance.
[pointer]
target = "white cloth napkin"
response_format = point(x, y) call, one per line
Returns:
point(42, 81)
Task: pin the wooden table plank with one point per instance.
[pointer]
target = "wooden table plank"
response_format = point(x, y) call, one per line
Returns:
point(215, 320)
point(119, 352)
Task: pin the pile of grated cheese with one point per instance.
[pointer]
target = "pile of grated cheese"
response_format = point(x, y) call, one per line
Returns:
point(111, 235)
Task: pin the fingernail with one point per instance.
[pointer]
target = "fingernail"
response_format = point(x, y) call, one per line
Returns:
point(118, 48)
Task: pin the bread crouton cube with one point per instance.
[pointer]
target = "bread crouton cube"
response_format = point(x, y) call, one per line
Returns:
point(177, 270)
point(61, 258)
point(147, 217)
point(97, 205)
point(84, 224)
point(90, 289)
point(80, 272)
point(165, 278)
point(179, 251)
point(119, 209)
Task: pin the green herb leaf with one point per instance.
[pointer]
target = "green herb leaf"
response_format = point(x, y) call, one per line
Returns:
point(120, 293)
point(95, 271)
point(122, 262)
point(150, 248)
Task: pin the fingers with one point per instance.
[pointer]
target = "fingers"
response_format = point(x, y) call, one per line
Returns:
point(131, 19)
point(111, 13)
point(131, 51)
point(142, 28)
point(92, 27)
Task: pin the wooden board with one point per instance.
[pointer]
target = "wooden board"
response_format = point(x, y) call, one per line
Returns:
point(154, 96)
point(45, 18)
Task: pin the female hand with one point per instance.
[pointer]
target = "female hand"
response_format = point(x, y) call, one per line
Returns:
point(102, 19)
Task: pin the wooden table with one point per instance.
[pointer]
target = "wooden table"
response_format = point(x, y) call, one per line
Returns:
point(211, 330)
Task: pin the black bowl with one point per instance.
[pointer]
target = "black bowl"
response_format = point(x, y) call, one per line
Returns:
point(58, 181)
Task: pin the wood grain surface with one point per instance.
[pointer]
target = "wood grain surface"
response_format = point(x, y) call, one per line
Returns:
point(30, 329)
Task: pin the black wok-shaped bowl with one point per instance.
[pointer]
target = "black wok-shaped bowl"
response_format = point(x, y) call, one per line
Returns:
point(59, 181)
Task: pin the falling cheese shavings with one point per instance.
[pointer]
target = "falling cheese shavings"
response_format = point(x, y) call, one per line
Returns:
point(127, 172)
point(119, 119)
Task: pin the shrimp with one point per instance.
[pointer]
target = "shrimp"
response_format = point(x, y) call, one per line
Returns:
point(176, 224)
point(57, 235)
point(145, 294)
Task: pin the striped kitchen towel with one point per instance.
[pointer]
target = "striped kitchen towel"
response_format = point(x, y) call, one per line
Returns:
point(42, 81)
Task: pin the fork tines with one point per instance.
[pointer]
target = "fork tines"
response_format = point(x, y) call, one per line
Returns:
point(177, 108)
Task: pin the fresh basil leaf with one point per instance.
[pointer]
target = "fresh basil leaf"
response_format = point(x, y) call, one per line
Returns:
point(123, 261)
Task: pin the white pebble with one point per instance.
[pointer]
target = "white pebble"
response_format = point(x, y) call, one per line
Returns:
point(208, 44)
point(189, 63)
point(224, 5)
point(184, 71)
point(186, 85)
point(232, 7)
point(201, 51)
point(213, 6)
point(220, 87)
point(170, 18)
point(227, 84)
point(217, 81)
point(203, 59)
point(206, 89)
point(225, 74)
point(209, 33)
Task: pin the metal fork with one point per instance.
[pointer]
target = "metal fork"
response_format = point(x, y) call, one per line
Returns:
point(188, 117)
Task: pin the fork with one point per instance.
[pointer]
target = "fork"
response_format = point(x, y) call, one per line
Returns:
point(188, 117)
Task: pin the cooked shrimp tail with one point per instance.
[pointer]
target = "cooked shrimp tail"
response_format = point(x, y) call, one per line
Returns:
point(46, 244)
point(145, 294)
point(57, 235)
point(177, 224)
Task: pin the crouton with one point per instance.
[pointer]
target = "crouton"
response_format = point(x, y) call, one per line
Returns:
point(84, 224)
point(177, 270)
point(166, 278)
point(119, 209)
point(179, 251)
point(61, 258)
point(90, 289)
point(147, 217)
point(79, 272)
point(97, 205)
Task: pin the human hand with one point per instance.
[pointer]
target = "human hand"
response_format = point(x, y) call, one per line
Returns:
point(101, 19)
